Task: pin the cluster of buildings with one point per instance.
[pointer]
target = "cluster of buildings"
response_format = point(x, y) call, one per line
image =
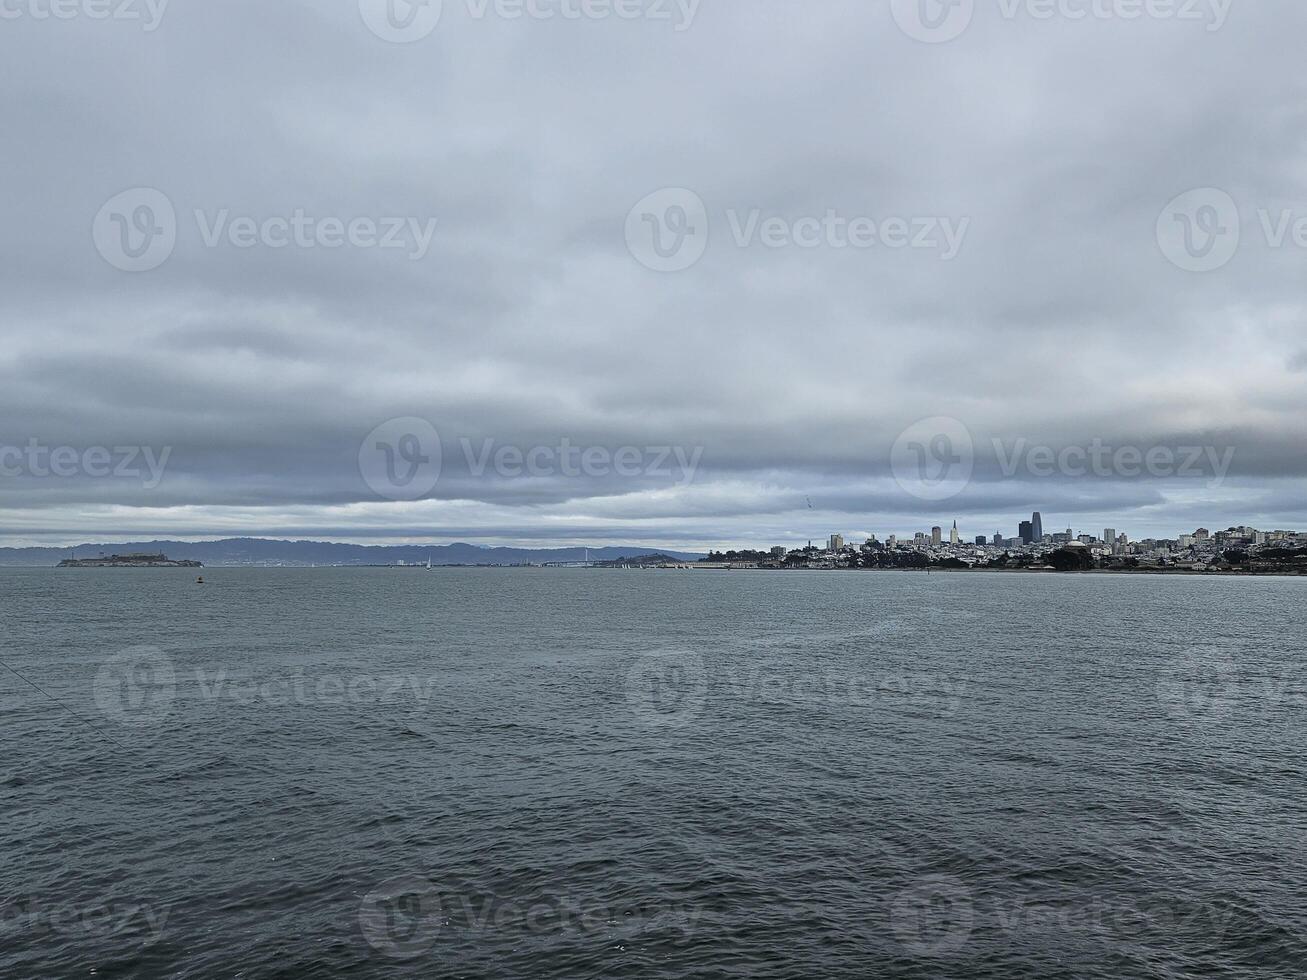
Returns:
point(1032, 545)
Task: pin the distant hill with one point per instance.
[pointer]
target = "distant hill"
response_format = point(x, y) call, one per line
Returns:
point(654, 559)
point(265, 551)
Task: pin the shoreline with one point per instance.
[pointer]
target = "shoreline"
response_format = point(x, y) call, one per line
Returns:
point(1190, 572)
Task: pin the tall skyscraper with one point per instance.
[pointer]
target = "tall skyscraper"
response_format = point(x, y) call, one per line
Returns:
point(1037, 526)
point(1109, 537)
point(937, 536)
point(953, 535)
point(836, 542)
point(998, 539)
point(1026, 532)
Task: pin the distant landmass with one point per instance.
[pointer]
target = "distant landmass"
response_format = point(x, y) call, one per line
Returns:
point(131, 561)
point(265, 551)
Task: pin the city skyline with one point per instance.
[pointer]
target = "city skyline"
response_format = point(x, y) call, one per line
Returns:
point(934, 536)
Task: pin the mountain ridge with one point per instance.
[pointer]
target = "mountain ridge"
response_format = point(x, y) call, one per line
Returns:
point(274, 551)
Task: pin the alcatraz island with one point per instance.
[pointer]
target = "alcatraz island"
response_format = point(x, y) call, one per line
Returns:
point(130, 561)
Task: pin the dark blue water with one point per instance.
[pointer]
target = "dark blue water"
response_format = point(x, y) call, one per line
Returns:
point(521, 773)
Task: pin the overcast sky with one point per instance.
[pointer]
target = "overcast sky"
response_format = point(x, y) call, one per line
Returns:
point(1058, 261)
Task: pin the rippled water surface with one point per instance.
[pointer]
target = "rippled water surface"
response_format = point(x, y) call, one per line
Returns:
point(585, 773)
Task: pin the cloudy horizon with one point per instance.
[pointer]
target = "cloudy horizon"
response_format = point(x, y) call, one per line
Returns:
point(651, 272)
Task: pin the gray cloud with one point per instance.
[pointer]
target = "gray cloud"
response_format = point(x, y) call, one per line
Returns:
point(1059, 322)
